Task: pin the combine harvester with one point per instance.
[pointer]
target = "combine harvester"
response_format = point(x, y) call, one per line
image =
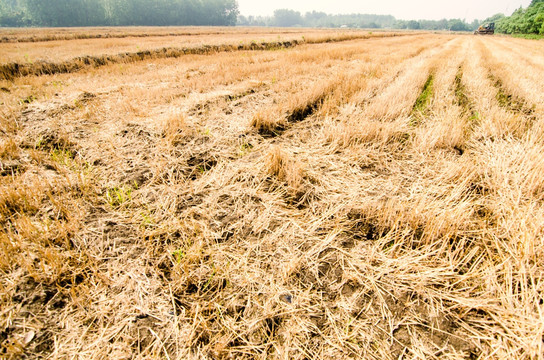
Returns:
point(487, 29)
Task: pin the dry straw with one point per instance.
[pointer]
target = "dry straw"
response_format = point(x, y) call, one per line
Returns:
point(373, 198)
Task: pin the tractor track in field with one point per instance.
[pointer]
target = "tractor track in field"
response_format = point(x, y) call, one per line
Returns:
point(314, 103)
point(507, 100)
point(520, 53)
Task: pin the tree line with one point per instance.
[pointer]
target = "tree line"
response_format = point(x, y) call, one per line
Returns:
point(16, 13)
point(117, 12)
point(287, 17)
point(522, 21)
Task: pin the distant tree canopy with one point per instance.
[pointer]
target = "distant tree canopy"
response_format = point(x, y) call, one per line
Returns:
point(524, 21)
point(315, 19)
point(117, 12)
point(444, 24)
point(12, 13)
point(286, 17)
point(225, 13)
point(495, 18)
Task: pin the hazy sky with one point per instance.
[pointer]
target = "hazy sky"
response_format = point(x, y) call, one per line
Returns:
point(401, 9)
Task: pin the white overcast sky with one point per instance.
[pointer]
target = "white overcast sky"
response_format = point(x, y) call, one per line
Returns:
point(401, 9)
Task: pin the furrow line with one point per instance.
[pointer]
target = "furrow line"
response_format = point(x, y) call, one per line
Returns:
point(10, 71)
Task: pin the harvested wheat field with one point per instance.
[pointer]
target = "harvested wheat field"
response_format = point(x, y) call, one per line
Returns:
point(321, 196)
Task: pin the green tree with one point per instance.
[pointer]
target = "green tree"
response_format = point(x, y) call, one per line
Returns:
point(124, 12)
point(413, 25)
point(524, 21)
point(539, 23)
point(286, 17)
point(12, 13)
point(458, 25)
point(220, 12)
point(494, 18)
point(66, 12)
point(314, 16)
